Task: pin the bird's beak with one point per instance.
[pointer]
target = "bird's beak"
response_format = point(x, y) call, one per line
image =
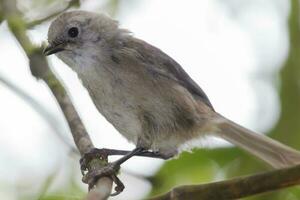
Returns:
point(51, 49)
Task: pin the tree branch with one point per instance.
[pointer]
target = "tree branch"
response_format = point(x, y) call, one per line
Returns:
point(40, 69)
point(238, 187)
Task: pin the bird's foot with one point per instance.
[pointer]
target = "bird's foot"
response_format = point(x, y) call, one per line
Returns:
point(110, 170)
point(87, 157)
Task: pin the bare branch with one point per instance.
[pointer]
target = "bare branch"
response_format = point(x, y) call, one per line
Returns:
point(40, 69)
point(72, 3)
point(238, 187)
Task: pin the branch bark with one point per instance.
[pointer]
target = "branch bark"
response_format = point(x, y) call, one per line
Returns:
point(238, 187)
point(40, 69)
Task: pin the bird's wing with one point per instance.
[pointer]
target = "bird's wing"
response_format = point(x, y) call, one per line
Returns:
point(162, 64)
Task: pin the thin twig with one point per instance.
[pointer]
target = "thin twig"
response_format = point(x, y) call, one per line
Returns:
point(238, 187)
point(40, 69)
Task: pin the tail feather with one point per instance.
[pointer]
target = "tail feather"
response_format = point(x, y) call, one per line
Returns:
point(275, 153)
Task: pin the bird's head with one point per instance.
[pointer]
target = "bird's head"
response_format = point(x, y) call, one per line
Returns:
point(78, 33)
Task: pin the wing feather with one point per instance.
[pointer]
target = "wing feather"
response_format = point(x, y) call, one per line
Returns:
point(162, 64)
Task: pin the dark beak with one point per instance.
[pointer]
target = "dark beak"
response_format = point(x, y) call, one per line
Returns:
point(51, 49)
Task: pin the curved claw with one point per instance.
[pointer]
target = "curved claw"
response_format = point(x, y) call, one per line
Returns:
point(91, 184)
point(110, 170)
point(119, 185)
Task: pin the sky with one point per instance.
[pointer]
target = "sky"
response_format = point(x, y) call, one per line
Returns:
point(233, 49)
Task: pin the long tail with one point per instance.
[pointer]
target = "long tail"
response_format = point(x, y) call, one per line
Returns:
point(276, 154)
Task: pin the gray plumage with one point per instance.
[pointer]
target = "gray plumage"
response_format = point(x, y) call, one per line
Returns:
point(144, 93)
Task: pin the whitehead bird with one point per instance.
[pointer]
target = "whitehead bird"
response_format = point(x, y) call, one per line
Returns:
point(145, 94)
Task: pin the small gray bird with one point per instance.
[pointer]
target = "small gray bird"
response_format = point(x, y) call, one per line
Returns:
point(145, 94)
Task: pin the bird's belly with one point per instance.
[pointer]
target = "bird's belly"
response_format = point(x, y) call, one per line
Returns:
point(113, 103)
point(123, 115)
point(139, 111)
point(120, 113)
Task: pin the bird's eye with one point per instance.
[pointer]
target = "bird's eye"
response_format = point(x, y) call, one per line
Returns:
point(73, 32)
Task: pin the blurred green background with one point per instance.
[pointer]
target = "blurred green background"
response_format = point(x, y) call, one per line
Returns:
point(203, 165)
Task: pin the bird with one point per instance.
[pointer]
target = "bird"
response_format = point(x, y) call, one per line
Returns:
point(145, 94)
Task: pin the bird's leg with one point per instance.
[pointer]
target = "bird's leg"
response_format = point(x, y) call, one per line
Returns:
point(109, 170)
point(104, 153)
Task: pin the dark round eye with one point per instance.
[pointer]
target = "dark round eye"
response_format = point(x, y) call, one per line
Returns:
point(73, 32)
